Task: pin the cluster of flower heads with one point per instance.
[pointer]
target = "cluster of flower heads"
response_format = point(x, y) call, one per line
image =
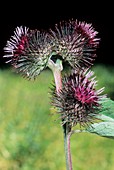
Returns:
point(30, 50)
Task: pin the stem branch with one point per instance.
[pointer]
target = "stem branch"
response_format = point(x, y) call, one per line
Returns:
point(56, 69)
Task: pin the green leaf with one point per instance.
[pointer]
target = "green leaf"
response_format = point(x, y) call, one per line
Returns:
point(104, 129)
point(104, 118)
point(106, 114)
point(107, 107)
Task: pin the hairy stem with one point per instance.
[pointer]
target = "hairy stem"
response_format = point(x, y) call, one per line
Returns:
point(57, 78)
point(56, 69)
point(67, 134)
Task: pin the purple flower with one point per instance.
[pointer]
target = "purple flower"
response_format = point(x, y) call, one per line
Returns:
point(75, 42)
point(78, 100)
point(28, 51)
point(31, 51)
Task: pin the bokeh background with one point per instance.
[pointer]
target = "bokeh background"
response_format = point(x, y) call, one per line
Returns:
point(30, 138)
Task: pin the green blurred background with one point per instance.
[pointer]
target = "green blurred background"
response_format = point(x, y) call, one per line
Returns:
point(31, 139)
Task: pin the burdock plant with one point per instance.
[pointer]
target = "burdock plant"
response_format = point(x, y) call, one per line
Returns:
point(74, 94)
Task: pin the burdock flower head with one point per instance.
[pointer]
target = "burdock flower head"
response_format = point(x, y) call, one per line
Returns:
point(28, 51)
point(75, 42)
point(78, 100)
point(31, 51)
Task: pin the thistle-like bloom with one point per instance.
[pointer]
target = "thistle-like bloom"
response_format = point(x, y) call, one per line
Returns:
point(76, 42)
point(28, 51)
point(78, 100)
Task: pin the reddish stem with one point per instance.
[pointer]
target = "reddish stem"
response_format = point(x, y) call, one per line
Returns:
point(58, 80)
point(69, 152)
point(56, 69)
point(67, 130)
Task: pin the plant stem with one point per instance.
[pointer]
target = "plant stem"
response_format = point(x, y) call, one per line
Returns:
point(67, 134)
point(57, 78)
point(56, 69)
